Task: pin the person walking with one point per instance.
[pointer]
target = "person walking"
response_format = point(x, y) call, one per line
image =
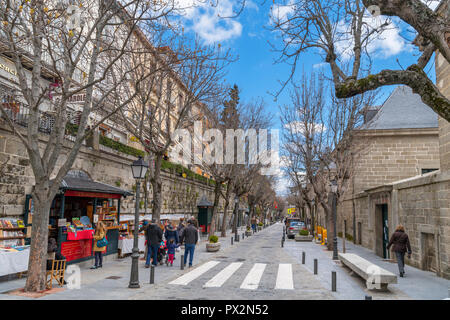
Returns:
point(99, 235)
point(180, 226)
point(401, 245)
point(171, 233)
point(253, 222)
point(153, 234)
point(171, 246)
point(190, 238)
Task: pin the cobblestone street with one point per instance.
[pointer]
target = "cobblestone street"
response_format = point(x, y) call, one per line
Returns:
point(255, 268)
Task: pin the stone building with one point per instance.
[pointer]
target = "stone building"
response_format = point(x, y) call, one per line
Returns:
point(403, 177)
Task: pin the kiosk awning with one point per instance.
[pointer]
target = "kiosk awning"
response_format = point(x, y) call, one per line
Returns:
point(78, 184)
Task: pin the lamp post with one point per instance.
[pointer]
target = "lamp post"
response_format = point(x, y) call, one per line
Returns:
point(139, 169)
point(334, 209)
point(236, 202)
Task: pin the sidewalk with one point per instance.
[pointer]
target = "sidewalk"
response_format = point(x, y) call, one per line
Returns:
point(417, 284)
point(95, 284)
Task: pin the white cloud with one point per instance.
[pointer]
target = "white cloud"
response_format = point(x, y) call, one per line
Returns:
point(280, 12)
point(320, 65)
point(299, 127)
point(211, 23)
point(385, 44)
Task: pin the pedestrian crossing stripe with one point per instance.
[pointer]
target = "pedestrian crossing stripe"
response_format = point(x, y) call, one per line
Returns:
point(284, 281)
point(284, 277)
point(194, 274)
point(252, 279)
point(220, 278)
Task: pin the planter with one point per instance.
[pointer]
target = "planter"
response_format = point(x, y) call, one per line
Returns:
point(212, 247)
point(248, 233)
point(303, 238)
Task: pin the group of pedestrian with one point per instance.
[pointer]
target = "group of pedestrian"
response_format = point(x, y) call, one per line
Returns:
point(174, 237)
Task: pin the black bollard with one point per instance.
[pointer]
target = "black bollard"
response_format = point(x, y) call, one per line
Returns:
point(182, 262)
point(333, 281)
point(231, 240)
point(282, 242)
point(152, 274)
point(303, 257)
point(243, 235)
point(368, 298)
point(315, 266)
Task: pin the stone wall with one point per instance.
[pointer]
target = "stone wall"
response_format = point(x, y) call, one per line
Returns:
point(421, 204)
point(443, 83)
point(423, 207)
point(393, 155)
point(180, 195)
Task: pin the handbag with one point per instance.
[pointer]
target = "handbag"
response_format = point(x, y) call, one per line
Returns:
point(102, 243)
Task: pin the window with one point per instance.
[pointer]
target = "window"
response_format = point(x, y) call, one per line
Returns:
point(428, 170)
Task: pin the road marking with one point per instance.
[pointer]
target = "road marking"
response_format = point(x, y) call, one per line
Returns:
point(194, 274)
point(219, 279)
point(251, 282)
point(284, 277)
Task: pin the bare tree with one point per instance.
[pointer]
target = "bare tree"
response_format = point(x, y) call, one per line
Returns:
point(320, 139)
point(261, 194)
point(342, 31)
point(184, 75)
point(59, 50)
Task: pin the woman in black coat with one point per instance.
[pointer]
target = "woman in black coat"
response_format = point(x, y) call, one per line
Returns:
point(400, 242)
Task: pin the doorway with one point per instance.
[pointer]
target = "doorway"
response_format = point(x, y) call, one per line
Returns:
point(428, 252)
point(381, 230)
point(359, 233)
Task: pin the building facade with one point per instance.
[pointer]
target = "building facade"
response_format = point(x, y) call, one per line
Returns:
point(404, 178)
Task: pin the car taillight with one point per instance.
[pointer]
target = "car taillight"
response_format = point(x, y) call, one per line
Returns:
point(291, 228)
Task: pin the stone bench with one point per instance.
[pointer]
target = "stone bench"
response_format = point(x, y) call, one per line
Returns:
point(375, 276)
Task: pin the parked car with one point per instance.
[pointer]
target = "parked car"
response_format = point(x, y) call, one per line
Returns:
point(294, 228)
point(289, 220)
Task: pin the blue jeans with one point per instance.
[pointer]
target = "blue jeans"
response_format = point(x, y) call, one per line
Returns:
point(98, 259)
point(152, 252)
point(189, 249)
point(400, 261)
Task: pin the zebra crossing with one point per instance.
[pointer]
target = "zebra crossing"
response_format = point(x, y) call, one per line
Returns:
point(284, 277)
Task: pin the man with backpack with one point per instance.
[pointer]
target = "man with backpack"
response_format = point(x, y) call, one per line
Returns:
point(190, 237)
point(153, 235)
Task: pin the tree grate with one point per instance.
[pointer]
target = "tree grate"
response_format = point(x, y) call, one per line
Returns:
point(113, 277)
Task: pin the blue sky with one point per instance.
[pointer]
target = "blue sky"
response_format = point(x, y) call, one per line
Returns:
point(256, 74)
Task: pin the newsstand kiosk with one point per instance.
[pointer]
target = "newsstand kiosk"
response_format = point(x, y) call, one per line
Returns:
point(79, 205)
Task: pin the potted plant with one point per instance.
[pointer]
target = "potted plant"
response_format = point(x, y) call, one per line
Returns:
point(213, 244)
point(303, 235)
point(248, 232)
point(260, 225)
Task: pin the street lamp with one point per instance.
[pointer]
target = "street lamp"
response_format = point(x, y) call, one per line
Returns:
point(334, 209)
point(139, 169)
point(236, 202)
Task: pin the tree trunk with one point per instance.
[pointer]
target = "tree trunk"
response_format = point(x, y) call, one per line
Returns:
point(330, 225)
point(250, 216)
point(235, 217)
point(225, 211)
point(157, 189)
point(212, 228)
point(39, 240)
point(145, 194)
